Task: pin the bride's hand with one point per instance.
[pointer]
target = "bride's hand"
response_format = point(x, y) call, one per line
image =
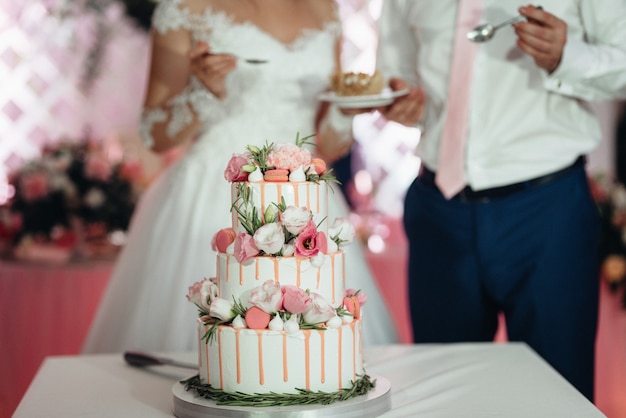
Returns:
point(211, 69)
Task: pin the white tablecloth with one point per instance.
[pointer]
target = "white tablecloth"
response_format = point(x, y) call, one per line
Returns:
point(438, 380)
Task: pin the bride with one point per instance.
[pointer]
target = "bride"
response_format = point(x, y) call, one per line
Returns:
point(202, 86)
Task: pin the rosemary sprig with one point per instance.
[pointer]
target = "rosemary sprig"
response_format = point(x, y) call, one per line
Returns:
point(210, 333)
point(342, 311)
point(305, 141)
point(361, 386)
point(249, 220)
point(328, 176)
point(239, 308)
point(259, 155)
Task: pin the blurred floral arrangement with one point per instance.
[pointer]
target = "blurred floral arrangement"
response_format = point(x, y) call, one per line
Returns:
point(71, 202)
point(610, 197)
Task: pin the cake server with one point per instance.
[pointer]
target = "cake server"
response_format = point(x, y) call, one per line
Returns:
point(484, 32)
point(141, 359)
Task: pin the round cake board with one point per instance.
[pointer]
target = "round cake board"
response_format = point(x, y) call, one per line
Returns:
point(376, 402)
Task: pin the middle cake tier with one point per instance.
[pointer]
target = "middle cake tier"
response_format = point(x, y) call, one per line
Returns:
point(237, 280)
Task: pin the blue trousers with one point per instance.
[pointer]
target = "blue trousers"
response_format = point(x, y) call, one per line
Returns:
point(531, 255)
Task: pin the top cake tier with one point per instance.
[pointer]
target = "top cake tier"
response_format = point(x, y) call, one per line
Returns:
point(263, 200)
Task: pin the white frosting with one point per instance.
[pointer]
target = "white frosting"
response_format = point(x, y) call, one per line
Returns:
point(252, 361)
point(313, 196)
point(284, 357)
point(328, 280)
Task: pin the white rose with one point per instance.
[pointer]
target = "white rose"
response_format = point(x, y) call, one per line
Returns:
point(222, 309)
point(342, 232)
point(195, 296)
point(270, 238)
point(208, 292)
point(319, 311)
point(267, 296)
point(295, 219)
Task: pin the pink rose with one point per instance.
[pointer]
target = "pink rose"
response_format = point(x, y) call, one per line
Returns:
point(193, 294)
point(202, 293)
point(234, 170)
point(222, 239)
point(322, 243)
point(268, 296)
point(245, 248)
point(288, 156)
point(270, 238)
point(34, 186)
point(98, 167)
point(319, 310)
point(294, 300)
point(295, 219)
point(222, 309)
point(307, 243)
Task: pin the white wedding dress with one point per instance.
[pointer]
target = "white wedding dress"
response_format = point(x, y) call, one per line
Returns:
point(169, 243)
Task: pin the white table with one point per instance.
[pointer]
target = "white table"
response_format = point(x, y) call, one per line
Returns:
point(438, 380)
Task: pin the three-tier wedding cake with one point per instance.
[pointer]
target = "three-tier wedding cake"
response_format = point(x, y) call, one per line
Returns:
point(277, 324)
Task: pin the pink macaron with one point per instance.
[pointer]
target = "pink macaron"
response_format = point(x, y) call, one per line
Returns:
point(277, 175)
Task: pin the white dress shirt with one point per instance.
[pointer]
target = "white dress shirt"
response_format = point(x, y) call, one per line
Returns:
point(523, 122)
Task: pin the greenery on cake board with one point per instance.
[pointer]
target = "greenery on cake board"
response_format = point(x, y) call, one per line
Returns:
point(304, 396)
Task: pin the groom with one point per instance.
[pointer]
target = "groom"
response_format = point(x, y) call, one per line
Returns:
point(500, 219)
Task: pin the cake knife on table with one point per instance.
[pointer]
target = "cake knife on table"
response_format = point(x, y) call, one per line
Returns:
point(141, 359)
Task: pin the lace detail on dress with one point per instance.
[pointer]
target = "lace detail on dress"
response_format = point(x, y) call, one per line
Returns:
point(195, 98)
point(170, 15)
point(173, 15)
point(148, 118)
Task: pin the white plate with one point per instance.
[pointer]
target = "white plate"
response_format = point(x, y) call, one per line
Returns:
point(359, 102)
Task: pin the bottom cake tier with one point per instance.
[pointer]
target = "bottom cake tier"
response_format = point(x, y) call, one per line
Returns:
point(263, 361)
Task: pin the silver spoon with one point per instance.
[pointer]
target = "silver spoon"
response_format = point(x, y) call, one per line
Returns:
point(248, 60)
point(484, 32)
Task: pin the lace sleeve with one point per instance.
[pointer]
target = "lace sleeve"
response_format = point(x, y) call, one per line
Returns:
point(194, 102)
point(194, 99)
point(173, 15)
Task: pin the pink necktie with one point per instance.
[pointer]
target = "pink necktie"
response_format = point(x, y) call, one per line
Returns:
point(450, 176)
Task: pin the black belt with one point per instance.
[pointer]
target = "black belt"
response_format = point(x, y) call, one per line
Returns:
point(427, 177)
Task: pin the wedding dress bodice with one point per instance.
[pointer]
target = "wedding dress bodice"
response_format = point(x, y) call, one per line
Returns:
point(271, 101)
